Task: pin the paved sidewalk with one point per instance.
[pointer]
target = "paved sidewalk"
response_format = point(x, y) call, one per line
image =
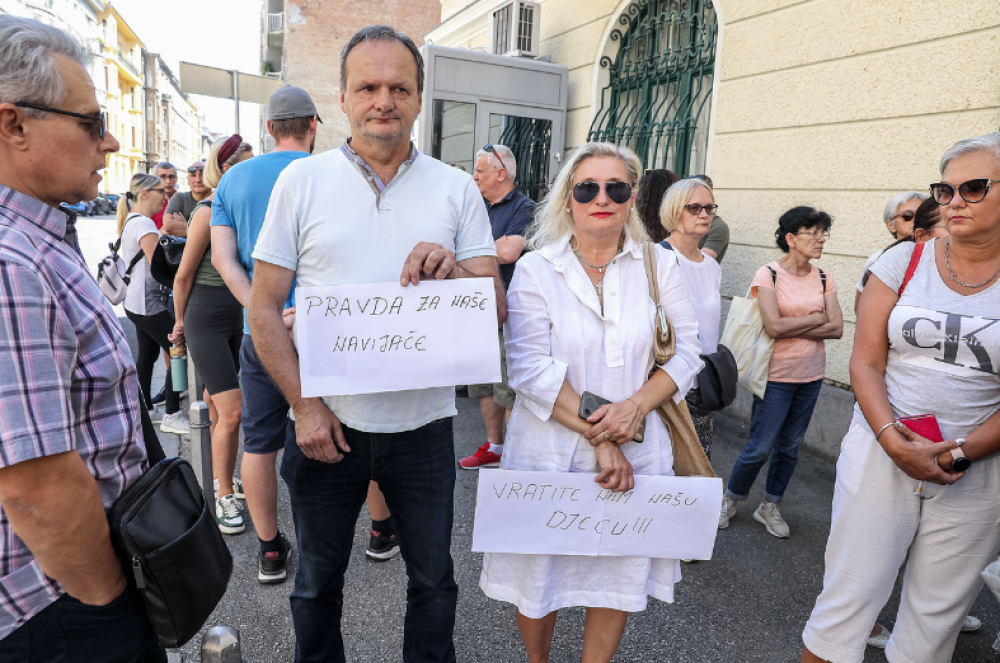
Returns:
point(748, 605)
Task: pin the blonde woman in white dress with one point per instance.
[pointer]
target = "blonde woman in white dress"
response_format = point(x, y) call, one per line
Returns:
point(581, 319)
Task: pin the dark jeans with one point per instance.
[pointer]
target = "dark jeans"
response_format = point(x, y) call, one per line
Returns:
point(416, 472)
point(151, 334)
point(778, 423)
point(71, 632)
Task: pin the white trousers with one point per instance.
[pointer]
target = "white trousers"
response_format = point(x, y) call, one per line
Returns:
point(945, 537)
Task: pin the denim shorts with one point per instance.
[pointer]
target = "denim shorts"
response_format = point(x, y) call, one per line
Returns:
point(265, 410)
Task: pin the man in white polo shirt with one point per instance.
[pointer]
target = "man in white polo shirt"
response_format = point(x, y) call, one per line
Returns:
point(375, 210)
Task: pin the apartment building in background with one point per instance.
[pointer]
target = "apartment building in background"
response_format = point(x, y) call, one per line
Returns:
point(173, 123)
point(301, 43)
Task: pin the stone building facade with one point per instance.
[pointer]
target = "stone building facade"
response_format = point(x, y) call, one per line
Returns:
point(838, 104)
point(301, 42)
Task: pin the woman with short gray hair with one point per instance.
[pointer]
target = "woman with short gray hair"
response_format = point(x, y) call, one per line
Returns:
point(580, 318)
point(916, 490)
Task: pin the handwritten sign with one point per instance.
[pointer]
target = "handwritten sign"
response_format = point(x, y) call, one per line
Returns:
point(372, 338)
point(567, 513)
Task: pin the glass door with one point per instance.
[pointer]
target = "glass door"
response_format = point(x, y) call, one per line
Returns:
point(534, 136)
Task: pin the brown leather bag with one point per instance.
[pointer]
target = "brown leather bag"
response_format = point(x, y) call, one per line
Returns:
point(689, 456)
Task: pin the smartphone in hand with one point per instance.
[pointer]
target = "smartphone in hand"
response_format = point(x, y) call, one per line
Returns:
point(590, 403)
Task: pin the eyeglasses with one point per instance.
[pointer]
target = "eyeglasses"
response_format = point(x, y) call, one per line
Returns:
point(907, 216)
point(196, 169)
point(492, 150)
point(168, 177)
point(158, 189)
point(619, 192)
point(972, 191)
point(100, 119)
point(814, 234)
point(696, 209)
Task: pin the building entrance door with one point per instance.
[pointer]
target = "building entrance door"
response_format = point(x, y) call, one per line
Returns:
point(472, 99)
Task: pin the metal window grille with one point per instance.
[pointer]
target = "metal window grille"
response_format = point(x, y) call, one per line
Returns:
point(501, 29)
point(659, 95)
point(530, 140)
point(275, 22)
point(524, 28)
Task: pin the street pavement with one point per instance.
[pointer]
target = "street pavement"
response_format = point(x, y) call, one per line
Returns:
point(747, 605)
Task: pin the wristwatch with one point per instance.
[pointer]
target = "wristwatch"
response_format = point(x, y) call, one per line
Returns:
point(959, 462)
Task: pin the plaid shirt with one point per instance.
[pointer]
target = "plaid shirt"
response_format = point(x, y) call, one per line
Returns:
point(68, 382)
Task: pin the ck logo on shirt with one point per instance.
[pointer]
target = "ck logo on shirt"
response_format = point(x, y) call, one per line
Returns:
point(952, 343)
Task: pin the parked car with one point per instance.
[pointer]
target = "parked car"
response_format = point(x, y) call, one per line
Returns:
point(103, 204)
point(91, 207)
point(79, 208)
point(113, 199)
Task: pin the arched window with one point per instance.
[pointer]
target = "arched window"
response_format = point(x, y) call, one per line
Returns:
point(659, 92)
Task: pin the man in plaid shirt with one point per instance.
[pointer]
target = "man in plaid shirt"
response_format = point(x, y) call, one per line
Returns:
point(70, 439)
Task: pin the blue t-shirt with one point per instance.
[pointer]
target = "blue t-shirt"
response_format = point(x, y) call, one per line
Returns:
point(510, 216)
point(241, 203)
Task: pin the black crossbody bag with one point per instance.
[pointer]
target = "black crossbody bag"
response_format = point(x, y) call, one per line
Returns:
point(169, 544)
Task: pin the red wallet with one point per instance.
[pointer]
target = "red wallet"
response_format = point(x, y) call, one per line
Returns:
point(925, 425)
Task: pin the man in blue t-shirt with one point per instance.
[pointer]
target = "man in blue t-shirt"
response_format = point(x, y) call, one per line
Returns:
point(237, 216)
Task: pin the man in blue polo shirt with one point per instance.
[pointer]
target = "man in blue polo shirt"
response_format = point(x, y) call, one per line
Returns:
point(510, 214)
point(237, 216)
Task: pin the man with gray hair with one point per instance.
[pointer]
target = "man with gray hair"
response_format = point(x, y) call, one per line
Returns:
point(167, 173)
point(510, 213)
point(70, 440)
point(373, 211)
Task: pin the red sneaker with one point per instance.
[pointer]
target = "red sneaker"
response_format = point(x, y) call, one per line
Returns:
point(482, 458)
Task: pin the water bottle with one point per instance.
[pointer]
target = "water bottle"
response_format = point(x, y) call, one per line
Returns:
point(178, 367)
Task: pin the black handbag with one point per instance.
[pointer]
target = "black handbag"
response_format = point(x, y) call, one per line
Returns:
point(167, 259)
point(170, 546)
point(717, 381)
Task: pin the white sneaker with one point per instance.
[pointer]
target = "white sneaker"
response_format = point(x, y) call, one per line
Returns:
point(175, 423)
point(881, 640)
point(227, 512)
point(155, 414)
point(237, 488)
point(767, 514)
point(728, 511)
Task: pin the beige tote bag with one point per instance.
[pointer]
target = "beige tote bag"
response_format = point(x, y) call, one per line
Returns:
point(749, 342)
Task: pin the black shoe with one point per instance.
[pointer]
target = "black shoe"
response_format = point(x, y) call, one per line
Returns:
point(160, 397)
point(462, 391)
point(382, 546)
point(271, 565)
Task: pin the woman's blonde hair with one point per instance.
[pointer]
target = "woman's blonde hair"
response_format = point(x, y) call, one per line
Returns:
point(677, 196)
point(553, 219)
point(140, 182)
point(213, 169)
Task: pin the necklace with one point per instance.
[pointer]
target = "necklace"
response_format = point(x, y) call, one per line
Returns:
point(600, 270)
point(953, 275)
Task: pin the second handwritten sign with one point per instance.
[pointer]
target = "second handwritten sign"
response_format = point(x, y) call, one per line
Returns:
point(371, 338)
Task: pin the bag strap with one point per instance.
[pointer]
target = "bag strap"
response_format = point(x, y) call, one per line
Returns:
point(912, 268)
point(649, 255)
point(154, 451)
point(138, 256)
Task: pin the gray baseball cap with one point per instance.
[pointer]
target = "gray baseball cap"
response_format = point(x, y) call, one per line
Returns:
point(291, 102)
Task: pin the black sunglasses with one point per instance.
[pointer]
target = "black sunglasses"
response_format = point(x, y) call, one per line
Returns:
point(696, 209)
point(972, 191)
point(198, 169)
point(907, 215)
point(100, 119)
point(492, 150)
point(584, 192)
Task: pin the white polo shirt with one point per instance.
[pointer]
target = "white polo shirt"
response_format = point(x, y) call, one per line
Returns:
point(327, 223)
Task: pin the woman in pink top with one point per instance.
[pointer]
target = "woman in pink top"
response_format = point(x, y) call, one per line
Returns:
point(798, 303)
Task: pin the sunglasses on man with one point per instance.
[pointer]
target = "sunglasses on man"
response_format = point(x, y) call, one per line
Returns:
point(100, 120)
point(196, 169)
point(492, 150)
point(619, 192)
point(972, 191)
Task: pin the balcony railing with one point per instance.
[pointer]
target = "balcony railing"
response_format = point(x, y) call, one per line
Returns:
point(275, 22)
point(128, 65)
point(274, 74)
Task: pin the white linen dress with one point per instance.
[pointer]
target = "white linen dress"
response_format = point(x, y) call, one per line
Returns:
point(555, 331)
